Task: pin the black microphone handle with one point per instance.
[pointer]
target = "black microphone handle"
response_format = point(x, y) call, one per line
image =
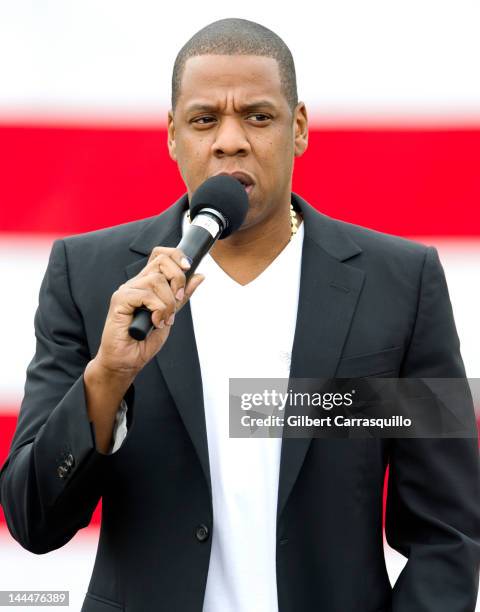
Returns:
point(196, 243)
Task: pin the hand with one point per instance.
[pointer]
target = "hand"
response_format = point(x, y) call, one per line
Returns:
point(161, 287)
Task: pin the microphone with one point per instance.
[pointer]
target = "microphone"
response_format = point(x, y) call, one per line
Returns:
point(217, 210)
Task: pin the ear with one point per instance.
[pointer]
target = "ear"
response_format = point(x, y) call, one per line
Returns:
point(171, 136)
point(300, 126)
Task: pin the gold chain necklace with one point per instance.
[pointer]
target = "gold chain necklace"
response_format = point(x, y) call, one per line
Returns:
point(293, 221)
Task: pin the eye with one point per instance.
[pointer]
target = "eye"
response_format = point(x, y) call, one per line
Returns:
point(266, 117)
point(199, 118)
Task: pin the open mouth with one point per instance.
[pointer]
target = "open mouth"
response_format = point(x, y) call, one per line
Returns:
point(244, 179)
point(248, 188)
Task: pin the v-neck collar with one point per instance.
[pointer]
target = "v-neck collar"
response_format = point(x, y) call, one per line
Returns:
point(209, 262)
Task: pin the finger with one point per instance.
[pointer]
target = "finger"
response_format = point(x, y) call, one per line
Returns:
point(160, 285)
point(173, 273)
point(195, 281)
point(159, 250)
point(156, 338)
point(173, 265)
point(127, 299)
point(156, 284)
point(174, 253)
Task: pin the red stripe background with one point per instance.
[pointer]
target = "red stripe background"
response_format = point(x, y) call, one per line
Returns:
point(63, 180)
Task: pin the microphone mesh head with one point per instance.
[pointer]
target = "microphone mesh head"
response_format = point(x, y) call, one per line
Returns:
point(225, 194)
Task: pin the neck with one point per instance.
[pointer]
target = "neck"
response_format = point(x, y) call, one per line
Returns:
point(245, 254)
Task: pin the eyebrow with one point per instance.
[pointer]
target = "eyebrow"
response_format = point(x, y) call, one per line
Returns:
point(246, 107)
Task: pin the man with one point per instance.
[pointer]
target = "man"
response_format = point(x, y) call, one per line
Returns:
point(192, 519)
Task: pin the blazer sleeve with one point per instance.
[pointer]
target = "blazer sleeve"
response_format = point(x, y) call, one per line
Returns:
point(433, 501)
point(51, 481)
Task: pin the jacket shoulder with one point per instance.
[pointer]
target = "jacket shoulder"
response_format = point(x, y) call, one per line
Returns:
point(381, 242)
point(109, 237)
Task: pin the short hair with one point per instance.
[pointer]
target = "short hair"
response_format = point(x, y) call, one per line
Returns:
point(234, 36)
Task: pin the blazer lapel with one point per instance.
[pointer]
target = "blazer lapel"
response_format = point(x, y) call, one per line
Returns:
point(329, 291)
point(178, 358)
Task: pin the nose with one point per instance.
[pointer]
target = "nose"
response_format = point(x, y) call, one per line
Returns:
point(230, 138)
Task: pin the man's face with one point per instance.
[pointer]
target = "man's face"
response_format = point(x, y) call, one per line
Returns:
point(232, 115)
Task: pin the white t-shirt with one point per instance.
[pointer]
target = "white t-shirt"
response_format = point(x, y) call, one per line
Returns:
point(259, 321)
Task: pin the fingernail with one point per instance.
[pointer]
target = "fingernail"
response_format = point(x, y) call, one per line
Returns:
point(161, 324)
point(186, 262)
point(171, 319)
point(180, 293)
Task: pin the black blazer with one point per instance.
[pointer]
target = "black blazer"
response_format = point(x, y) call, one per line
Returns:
point(370, 304)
